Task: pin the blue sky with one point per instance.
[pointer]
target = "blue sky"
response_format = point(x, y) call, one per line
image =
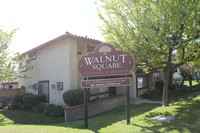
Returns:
point(42, 20)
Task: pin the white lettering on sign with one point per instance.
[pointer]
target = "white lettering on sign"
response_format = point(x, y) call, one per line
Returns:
point(106, 66)
point(105, 62)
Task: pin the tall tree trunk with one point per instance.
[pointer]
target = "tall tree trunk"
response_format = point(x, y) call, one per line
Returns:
point(165, 98)
point(171, 78)
point(182, 82)
point(197, 77)
point(190, 81)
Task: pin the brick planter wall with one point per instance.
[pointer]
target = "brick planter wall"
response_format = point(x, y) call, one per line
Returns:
point(8, 95)
point(77, 112)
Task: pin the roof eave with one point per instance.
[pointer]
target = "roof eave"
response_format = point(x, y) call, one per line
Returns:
point(60, 38)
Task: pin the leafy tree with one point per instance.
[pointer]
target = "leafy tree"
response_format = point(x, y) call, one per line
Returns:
point(153, 31)
point(9, 62)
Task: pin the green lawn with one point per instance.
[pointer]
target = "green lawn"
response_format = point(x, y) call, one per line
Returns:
point(186, 83)
point(194, 82)
point(187, 114)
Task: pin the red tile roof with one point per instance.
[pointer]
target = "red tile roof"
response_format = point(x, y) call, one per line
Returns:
point(62, 37)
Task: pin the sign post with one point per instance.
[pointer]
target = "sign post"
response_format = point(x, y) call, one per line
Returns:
point(106, 61)
point(85, 107)
point(127, 105)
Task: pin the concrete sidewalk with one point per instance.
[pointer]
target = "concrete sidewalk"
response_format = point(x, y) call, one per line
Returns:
point(139, 100)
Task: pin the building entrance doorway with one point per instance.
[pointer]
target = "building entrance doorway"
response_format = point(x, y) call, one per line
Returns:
point(43, 89)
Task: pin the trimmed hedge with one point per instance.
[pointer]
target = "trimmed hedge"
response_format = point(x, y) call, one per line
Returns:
point(73, 97)
point(33, 99)
point(19, 97)
point(26, 101)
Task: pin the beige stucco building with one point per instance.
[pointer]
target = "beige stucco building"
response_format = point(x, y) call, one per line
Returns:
point(55, 70)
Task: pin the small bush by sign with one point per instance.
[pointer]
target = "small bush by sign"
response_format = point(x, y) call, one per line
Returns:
point(73, 97)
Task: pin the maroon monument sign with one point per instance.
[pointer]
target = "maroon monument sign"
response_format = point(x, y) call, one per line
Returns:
point(105, 61)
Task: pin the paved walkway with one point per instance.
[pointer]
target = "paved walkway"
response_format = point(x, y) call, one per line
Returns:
point(139, 100)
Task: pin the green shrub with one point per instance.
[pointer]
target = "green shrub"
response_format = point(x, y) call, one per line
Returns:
point(48, 109)
point(28, 106)
point(73, 97)
point(38, 108)
point(14, 105)
point(26, 101)
point(20, 106)
point(151, 94)
point(33, 99)
point(54, 111)
point(19, 97)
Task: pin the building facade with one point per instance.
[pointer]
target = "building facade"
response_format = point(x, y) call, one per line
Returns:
point(54, 70)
